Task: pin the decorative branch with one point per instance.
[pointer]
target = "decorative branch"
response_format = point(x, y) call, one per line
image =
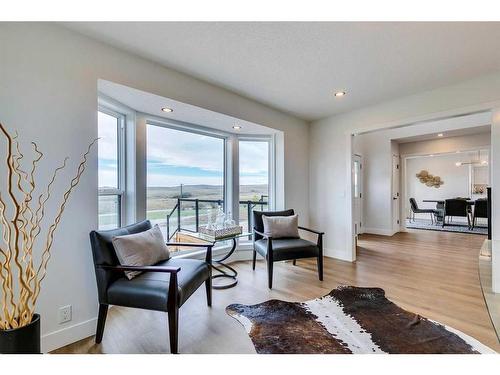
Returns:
point(21, 220)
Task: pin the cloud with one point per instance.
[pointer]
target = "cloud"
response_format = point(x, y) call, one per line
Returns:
point(175, 157)
point(177, 148)
point(108, 136)
point(254, 158)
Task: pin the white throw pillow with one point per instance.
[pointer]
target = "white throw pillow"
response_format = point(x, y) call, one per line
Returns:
point(141, 249)
point(281, 226)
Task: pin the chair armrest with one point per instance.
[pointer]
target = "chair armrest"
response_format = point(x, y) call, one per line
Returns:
point(312, 231)
point(121, 268)
point(255, 231)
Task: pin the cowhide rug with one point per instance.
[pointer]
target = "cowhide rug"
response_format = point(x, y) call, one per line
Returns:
point(347, 320)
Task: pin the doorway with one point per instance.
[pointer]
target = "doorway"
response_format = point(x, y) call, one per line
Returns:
point(357, 194)
point(396, 196)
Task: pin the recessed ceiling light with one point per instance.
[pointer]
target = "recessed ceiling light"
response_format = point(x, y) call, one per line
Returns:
point(236, 127)
point(168, 110)
point(440, 134)
point(339, 94)
point(458, 164)
point(431, 155)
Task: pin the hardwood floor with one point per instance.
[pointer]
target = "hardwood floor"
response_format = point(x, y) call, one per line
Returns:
point(434, 274)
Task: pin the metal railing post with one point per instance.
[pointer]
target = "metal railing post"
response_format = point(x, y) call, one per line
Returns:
point(197, 213)
point(249, 209)
point(168, 227)
point(178, 214)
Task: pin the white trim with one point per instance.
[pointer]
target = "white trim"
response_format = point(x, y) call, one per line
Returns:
point(232, 177)
point(336, 254)
point(359, 158)
point(476, 148)
point(381, 231)
point(351, 240)
point(68, 335)
point(183, 126)
point(394, 225)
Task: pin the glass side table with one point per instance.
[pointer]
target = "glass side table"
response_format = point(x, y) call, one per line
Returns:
point(223, 269)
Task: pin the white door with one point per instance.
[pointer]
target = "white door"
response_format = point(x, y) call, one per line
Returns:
point(357, 194)
point(396, 196)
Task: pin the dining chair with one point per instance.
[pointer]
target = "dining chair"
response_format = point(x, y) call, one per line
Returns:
point(480, 210)
point(457, 208)
point(416, 210)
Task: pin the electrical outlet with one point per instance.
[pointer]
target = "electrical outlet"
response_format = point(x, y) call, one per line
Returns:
point(65, 314)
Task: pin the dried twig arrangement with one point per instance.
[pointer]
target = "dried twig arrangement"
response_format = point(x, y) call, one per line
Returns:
point(21, 217)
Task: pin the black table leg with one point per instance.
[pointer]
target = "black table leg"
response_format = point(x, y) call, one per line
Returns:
point(229, 272)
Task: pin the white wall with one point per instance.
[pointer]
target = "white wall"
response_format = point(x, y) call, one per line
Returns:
point(456, 180)
point(443, 145)
point(48, 92)
point(330, 148)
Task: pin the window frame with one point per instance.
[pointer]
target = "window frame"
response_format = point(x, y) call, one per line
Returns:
point(271, 167)
point(193, 129)
point(231, 158)
point(270, 139)
point(121, 162)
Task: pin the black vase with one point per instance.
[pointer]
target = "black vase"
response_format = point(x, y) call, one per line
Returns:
point(24, 340)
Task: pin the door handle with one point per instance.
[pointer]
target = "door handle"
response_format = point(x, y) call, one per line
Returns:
point(394, 198)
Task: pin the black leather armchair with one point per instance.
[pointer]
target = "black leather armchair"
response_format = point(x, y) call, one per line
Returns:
point(274, 250)
point(164, 286)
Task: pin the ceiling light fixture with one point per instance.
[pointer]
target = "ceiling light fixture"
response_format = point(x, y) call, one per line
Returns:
point(339, 94)
point(236, 127)
point(478, 161)
point(440, 134)
point(167, 110)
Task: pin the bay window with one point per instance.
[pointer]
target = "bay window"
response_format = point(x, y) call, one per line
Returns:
point(185, 177)
point(110, 164)
point(178, 174)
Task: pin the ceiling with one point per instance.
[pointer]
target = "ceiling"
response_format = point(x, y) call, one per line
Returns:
point(296, 66)
point(483, 129)
point(151, 104)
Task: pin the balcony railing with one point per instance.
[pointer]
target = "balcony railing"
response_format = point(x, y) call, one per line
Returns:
point(177, 210)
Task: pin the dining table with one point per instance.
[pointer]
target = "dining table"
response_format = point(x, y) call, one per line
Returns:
point(441, 201)
point(440, 207)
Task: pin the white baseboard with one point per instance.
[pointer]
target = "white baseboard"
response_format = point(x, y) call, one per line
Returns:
point(337, 254)
point(68, 335)
point(380, 231)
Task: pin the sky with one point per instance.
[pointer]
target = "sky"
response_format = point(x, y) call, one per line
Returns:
point(175, 157)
